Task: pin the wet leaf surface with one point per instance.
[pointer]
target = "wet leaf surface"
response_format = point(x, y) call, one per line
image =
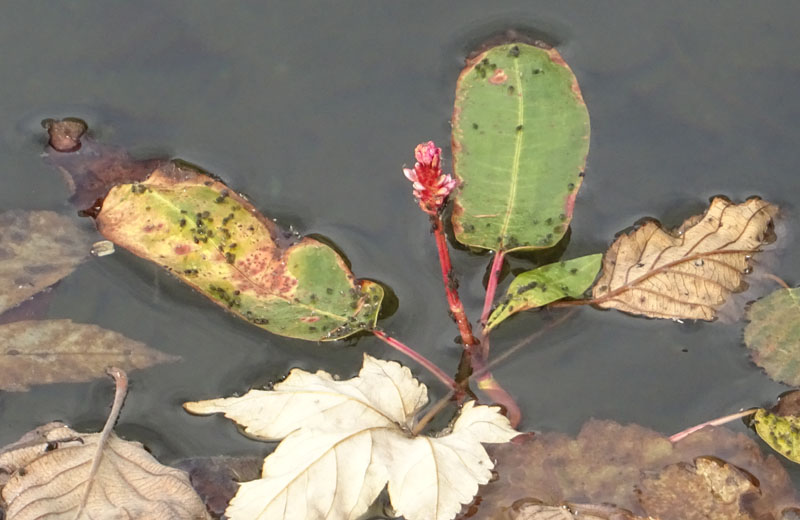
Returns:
point(607, 462)
point(780, 429)
point(534, 510)
point(344, 440)
point(215, 240)
point(520, 140)
point(216, 479)
point(773, 335)
point(46, 475)
point(687, 273)
point(546, 284)
point(60, 351)
point(37, 249)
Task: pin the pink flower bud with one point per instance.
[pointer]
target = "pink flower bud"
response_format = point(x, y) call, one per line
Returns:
point(431, 186)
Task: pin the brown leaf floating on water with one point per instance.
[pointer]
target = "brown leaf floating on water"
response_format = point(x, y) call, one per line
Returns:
point(60, 351)
point(606, 462)
point(37, 249)
point(709, 489)
point(688, 273)
point(216, 479)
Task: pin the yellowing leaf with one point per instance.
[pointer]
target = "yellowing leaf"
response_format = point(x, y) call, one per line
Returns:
point(688, 273)
point(781, 432)
point(344, 440)
point(773, 336)
point(51, 469)
point(37, 249)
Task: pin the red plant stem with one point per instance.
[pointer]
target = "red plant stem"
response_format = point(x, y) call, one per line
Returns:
point(419, 358)
point(486, 381)
point(450, 287)
point(714, 422)
point(491, 289)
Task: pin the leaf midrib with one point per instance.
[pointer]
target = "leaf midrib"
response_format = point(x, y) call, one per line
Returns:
point(512, 190)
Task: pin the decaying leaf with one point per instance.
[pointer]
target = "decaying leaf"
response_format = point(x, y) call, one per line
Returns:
point(216, 241)
point(546, 284)
point(780, 426)
point(216, 479)
point(60, 351)
point(709, 489)
point(606, 463)
point(343, 440)
point(687, 273)
point(535, 510)
point(773, 335)
point(37, 249)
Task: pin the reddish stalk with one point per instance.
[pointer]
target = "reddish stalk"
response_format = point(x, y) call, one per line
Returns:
point(714, 422)
point(419, 358)
point(491, 289)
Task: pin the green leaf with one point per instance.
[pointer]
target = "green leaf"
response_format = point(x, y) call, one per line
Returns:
point(546, 284)
point(782, 433)
point(216, 241)
point(773, 335)
point(520, 140)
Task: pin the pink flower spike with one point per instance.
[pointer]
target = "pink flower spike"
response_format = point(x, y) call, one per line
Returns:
point(431, 186)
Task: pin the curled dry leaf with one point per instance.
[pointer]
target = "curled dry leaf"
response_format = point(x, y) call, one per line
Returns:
point(47, 472)
point(773, 335)
point(215, 240)
point(60, 351)
point(37, 249)
point(690, 272)
point(344, 440)
point(606, 463)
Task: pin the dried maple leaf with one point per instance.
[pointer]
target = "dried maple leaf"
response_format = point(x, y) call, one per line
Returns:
point(688, 273)
point(343, 440)
point(60, 351)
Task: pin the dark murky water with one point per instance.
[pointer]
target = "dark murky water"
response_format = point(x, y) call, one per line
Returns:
point(312, 110)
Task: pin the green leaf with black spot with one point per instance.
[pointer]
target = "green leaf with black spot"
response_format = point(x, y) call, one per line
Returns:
point(546, 284)
point(782, 433)
point(520, 140)
point(216, 241)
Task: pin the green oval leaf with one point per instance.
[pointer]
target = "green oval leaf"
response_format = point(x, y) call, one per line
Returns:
point(216, 241)
point(546, 284)
point(781, 433)
point(773, 335)
point(520, 140)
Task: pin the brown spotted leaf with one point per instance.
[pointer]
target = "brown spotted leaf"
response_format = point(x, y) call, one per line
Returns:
point(687, 273)
point(606, 463)
point(60, 351)
point(37, 249)
point(50, 473)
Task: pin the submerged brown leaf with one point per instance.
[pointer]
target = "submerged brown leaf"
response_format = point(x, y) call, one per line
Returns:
point(47, 472)
point(690, 272)
point(60, 351)
point(216, 479)
point(37, 249)
point(606, 463)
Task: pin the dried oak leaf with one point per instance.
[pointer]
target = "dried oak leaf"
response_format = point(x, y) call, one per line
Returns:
point(687, 273)
point(37, 249)
point(49, 473)
point(60, 351)
point(709, 489)
point(607, 461)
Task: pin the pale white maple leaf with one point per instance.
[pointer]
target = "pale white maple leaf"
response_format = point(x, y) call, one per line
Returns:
point(344, 440)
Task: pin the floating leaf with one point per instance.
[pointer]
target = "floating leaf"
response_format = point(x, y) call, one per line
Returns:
point(773, 335)
point(709, 489)
point(780, 431)
point(343, 440)
point(546, 284)
point(216, 241)
point(606, 462)
point(688, 273)
point(60, 351)
point(520, 139)
point(37, 249)
point(216, 479)
point(51, 468)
